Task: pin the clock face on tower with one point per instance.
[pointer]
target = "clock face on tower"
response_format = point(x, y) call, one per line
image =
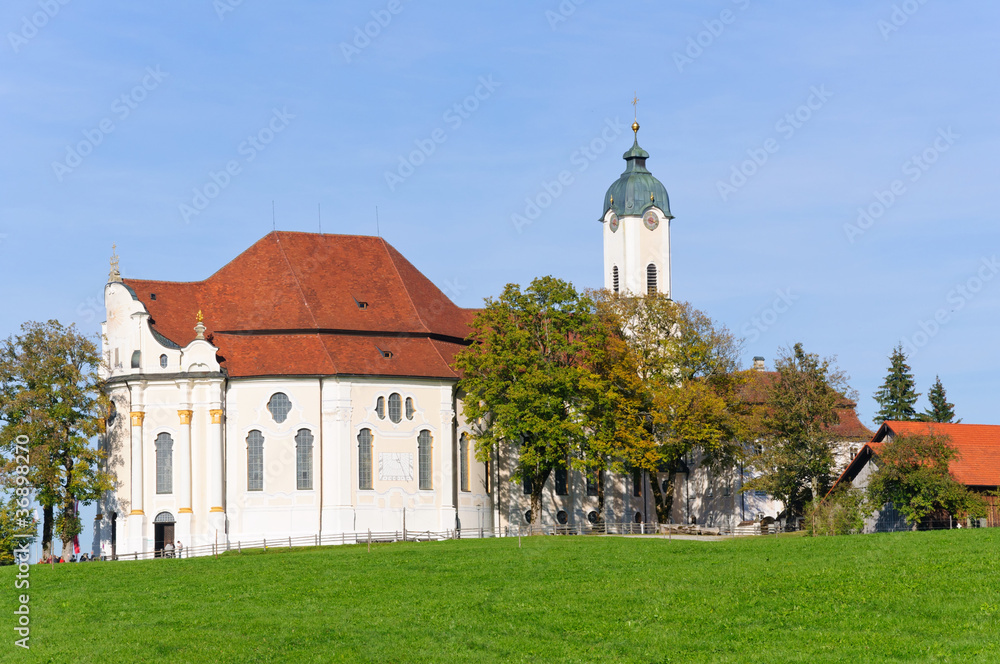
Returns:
point(650, 220)
point(613, 222)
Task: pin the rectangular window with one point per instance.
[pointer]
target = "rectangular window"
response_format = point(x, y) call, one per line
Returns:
point(365, 459)
point(562, 482)
point(637, 483)
point(255, 461)
point(164, 463)
point(528, 485)
point(424, 449)
point(591, 484)
point(304, 460)
point(463, 461)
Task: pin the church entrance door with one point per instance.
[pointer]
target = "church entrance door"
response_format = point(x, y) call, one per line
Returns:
point(163, 532)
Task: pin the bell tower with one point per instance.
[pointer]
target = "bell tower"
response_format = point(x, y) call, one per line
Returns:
point(636, 223)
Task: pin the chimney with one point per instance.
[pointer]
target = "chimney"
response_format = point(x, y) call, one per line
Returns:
point(758, 363)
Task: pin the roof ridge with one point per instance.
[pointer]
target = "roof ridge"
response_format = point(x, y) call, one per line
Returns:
point(406, 289)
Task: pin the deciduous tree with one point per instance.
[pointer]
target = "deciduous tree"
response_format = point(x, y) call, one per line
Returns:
point(795, 457)
point(50, 392)
point(522, 377)
point(913, 474)
point(687, 395)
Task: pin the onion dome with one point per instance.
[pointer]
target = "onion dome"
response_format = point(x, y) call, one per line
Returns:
point(636, 190)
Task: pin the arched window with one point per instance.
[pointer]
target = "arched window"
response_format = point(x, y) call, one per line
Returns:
point(651, 279)
point(163, 361)
point(136, 359)
point(463, 461)
point(409, 408)
point(255, 461)
point(380, 407)
point(614, 278)
point(164, 463)
point(279, 407)
point(395, 408)
point(365, 459)
point(304, 460)
point(424, 448)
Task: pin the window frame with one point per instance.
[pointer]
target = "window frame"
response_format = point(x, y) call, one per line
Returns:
point(561, 481)
point(304, 459)
point(164, 463)
point(463, 463)
point(395, 408)
point(254, 460)
point(366, 454)
point(279, 406)
point(425, 460)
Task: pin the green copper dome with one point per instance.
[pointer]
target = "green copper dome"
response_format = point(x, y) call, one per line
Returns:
point(636, 190)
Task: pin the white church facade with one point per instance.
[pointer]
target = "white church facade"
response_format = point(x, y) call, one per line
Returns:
point(304, 389)
point(307, 388)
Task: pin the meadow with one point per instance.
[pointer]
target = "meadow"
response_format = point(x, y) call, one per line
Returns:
point(905, 597)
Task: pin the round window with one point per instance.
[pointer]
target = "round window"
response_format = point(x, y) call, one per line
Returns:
point(527, 516)
point(562, 517)
point(592, 517)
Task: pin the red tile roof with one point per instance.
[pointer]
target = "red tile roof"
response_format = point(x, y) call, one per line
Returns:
point(978, 445)
point(290, 305)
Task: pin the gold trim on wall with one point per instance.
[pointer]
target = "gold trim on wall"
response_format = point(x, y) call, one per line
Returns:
point(137, 418)
point(216, 414)
point(185, 416)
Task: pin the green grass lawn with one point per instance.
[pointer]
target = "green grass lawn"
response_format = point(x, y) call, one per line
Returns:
point(913, 597)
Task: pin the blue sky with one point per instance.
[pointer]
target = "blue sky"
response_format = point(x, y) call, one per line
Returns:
point(114, 115)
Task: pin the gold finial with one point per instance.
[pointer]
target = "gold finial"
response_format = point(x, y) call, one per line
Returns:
point(200, 327)
point(652, 197)
point(115, 275)
point(635, 125)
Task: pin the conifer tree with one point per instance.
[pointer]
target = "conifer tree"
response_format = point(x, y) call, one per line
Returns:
point(940, 410)
point(897, 395)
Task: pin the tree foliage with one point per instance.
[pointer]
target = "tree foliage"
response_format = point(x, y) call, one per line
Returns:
point(897, 395)
point(940, 410)
point(50, 392)
point(684, 390)
point(913, 474)
point(795, 457)
point(840, 513)
point(524, 374)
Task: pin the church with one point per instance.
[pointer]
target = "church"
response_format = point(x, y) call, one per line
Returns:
point(306, 388)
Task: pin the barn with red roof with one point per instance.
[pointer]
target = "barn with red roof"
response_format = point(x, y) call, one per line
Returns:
point(977, 464)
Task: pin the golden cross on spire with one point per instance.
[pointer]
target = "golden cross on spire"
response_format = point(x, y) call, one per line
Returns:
point(200, 317)
point(635, 123)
